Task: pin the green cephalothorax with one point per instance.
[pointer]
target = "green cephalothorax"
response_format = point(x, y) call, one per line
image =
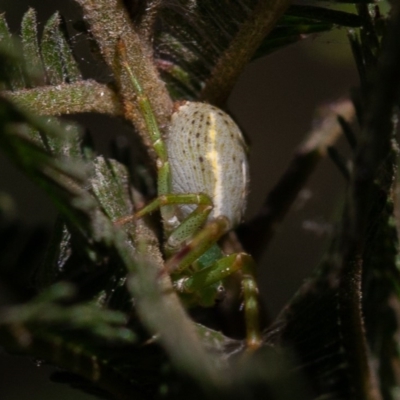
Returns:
point(202, 187)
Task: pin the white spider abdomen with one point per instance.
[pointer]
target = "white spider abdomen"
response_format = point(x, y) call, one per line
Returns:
point(207, 154)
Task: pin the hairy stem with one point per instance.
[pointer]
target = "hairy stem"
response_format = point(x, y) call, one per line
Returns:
point(110, 25)
point(80, 97)
point(231, 64)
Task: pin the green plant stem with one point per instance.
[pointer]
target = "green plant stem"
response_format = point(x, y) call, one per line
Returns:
point(137, 54)
point(75, 98)
point(162, 313)
point(241, 50)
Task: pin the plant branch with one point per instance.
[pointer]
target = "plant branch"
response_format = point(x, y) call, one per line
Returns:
point(161, 311)
point(373, 160)
point(375, 143)
point(110, 25)
point(257, 233)
point(241, 50)
point(75, 98)
point(146, 27)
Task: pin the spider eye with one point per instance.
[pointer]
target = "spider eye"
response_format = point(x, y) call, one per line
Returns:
point(221, 292)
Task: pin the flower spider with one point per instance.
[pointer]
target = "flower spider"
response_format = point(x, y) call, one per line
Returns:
point(202, 187)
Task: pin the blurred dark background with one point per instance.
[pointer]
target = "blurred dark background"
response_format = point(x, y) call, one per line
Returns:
point(274, 102)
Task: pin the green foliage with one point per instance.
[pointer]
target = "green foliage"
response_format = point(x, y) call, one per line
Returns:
point(190, 44)
point(102, 308)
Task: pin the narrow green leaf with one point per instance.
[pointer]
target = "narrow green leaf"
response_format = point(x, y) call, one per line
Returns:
point(12, 67)
point(340, 18)
point(292, 30)
point(59, 62)
point(111, 186)
point(69, 145)
point(58, 251)
point(45, 310)
point(50, 51)
point(71, 68)
point(4, 31)
point(30, 47)
point(358, 57)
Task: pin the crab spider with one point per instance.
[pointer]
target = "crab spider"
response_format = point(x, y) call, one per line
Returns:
point(202, 187)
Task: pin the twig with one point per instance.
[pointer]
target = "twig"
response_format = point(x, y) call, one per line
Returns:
point(162, 313)
point(146, 27)
point(377, 132)
point(74, 98)
point(372, 156)
point(242, 48)
point(110, 25)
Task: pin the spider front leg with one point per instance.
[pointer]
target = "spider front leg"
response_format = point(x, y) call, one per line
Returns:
point(178, 231)
point(220, 270)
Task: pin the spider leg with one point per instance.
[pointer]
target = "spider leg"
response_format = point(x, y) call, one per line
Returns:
point(218, 271)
